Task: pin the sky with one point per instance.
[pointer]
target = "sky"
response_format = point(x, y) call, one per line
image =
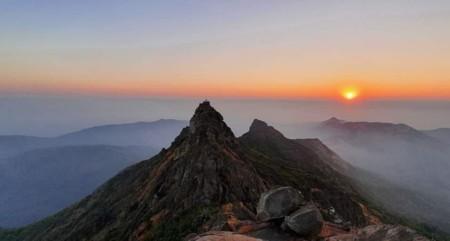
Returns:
point(240, 49)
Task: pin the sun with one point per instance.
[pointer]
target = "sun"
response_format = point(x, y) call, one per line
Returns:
point(349, 93)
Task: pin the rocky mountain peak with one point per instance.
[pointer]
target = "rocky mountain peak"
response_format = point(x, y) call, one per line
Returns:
point(205, 165)
point(208, 124)
point(333, 121)
point(258, 125)
point(261, 128)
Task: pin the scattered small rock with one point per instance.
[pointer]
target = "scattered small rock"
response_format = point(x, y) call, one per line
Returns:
point(380, 232)
point(236, 223)
point(331, 229)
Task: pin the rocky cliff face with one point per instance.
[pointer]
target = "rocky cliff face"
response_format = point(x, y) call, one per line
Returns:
point(207, 180)
point(205, 166)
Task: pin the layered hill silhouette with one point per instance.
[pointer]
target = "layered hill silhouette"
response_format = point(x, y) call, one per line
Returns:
point(205, 177)
point(41, 182)
point(365, 133)
point(442, 134)
point(40, 176)
point(155, 134)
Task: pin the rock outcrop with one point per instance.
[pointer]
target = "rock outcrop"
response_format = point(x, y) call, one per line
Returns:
point(369, 233)
point(222, 236)
point(306, 222)
point(278, 203)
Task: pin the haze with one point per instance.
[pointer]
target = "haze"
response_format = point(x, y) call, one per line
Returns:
point(55, 115)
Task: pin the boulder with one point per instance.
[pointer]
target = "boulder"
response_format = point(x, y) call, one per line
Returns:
point(275, 234)
point(278, 203)
point(306, 221)
point(380, 232)
point(222, 236)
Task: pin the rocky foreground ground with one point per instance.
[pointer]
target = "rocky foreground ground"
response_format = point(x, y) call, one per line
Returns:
point(283, 215)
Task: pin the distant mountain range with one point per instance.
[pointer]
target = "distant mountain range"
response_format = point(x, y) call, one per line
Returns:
point(39, 176)
point(156, 134)
point(210, 180)
point(442, 134)
point(414, 160)
point(365, 133)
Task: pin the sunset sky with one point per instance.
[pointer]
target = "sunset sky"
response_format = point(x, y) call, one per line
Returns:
point(263, 49)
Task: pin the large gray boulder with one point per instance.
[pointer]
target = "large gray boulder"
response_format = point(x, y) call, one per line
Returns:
point(307, 221)
point(278, 203)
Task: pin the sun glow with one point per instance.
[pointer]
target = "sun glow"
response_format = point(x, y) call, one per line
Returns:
point(349, 93)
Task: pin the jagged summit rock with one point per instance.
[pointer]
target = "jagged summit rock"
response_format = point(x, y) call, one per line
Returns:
point(204, 165)
point(262, 129)
point(258, 125)
point(208, 123)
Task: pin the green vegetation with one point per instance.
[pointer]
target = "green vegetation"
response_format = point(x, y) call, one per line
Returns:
point(29, 231)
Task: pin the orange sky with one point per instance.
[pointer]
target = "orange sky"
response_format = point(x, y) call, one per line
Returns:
point(332, 91)
point(298, 49)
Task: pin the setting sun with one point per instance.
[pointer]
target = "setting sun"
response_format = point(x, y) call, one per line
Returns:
point(349, 94)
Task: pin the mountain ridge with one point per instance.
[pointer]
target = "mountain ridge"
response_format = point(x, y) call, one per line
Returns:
point(206, 179)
